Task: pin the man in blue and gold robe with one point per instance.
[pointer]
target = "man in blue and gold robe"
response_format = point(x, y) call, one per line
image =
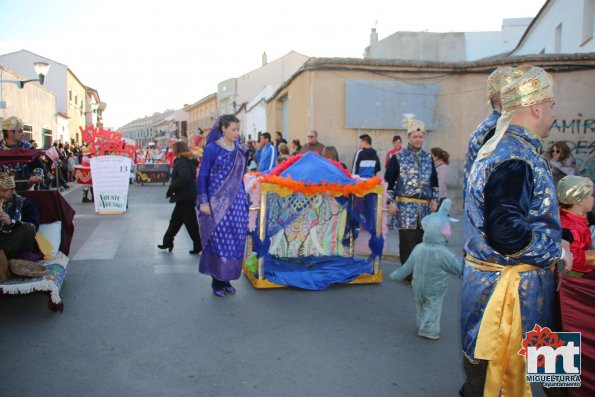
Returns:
point(485, 130)
point(513, 239)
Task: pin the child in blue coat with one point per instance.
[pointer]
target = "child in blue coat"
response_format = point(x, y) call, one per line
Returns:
point(430, 263)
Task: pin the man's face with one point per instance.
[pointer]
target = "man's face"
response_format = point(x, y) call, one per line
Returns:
point(311, 138)
point(262, 141)
point(397, 144)
point(16, 135)
point(546, 118)
point(5, 194)
point(416, 139)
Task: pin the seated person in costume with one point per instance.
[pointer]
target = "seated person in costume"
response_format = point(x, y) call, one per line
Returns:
point(430, 263)
point(14, 138)
point(575, 194)
point(19, 220)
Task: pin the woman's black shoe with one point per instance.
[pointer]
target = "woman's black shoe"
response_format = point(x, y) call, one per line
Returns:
point(169, 247)
point(195, 251)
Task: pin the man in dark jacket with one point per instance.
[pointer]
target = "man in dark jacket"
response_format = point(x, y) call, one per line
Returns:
point(366, 162)
point(182, 191)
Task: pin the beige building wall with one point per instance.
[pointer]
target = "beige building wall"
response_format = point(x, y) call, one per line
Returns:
point(316, 100)
point(202, 114)
point(76, 97)
point(34, 104)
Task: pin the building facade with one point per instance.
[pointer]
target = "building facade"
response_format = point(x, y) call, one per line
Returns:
point(344, 98)
point(560, 27)
point(70, 92)
point(34, 104)
point(202, 114)
point(447, 47)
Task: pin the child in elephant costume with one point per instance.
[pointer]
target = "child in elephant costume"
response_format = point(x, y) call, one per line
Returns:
point(430, 263)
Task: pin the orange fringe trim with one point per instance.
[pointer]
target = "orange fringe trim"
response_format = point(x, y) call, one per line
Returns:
point(334, 189)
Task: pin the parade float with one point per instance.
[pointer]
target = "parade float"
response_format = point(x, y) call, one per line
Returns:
point(100, 142)
point(57, 229)
point(304, 218)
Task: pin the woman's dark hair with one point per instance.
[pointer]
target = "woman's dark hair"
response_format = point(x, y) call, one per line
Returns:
point(330, 152)
point(283, 149)
point(296, 142)
point(179, 147)
point(227, 119)
point(562, 147)
point(441, 154)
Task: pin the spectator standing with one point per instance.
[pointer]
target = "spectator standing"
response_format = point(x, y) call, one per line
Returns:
point(330, 152)
point(366, 162)
point(561, 161)
point(283, 153)
point(296, 147)
point(397, 145)
point(279, 139)
point(440, 158)
point(267, 160)
point(312, 145)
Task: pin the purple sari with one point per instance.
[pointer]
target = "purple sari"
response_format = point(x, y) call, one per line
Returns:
point(223, 233)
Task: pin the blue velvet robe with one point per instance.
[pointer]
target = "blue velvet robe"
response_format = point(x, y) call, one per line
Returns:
point(511, 217)
point(482, 133)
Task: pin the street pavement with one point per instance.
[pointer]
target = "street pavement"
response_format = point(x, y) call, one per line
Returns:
point(139, 321)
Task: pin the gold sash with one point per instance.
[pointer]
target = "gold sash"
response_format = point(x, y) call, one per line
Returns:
point(412, 200)
point(501, 332)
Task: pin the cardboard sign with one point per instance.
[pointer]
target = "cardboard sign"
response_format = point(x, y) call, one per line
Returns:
point(110, 183)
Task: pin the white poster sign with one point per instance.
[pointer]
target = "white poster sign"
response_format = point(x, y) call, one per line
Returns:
point(110, 183)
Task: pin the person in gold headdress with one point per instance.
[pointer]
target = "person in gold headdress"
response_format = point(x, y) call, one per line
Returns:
point(575, 194)
point(415, 181)
point(513, 240)
point(485, 130)
point(19, 220)
point(14, 138)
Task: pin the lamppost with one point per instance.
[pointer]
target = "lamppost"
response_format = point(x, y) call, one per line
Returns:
point(41, 69)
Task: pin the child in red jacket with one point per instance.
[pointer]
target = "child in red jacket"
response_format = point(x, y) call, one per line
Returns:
point(575, 194)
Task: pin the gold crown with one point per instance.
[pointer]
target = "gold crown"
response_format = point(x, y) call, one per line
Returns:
point(6, 181)
point(412, 124)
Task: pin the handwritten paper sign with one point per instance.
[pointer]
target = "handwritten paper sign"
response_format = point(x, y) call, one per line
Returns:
point(110, 183)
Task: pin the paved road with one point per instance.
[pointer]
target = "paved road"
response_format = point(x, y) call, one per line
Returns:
point(141, 322)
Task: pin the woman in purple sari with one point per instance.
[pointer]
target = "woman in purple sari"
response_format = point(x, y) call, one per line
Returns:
point(223, 205)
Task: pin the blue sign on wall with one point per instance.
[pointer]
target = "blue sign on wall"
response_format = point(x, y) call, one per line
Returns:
point(374, 104)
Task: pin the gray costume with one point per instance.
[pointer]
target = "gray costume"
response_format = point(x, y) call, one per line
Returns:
point(430, 263)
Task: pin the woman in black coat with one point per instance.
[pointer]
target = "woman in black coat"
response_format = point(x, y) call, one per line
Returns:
point(182, 191)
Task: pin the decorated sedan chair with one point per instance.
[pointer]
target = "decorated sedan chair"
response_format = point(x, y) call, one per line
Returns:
point(56, 230)
point(304, 218)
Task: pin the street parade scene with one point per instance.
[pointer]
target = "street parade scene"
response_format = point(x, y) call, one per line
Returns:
point(415, 221)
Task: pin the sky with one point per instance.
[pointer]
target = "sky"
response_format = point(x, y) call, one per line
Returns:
point(148, 56)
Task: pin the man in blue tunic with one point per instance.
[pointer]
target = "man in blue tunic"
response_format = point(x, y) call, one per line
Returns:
point(513, 239)
point(485, 130)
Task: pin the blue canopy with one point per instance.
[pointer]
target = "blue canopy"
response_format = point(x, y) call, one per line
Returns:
point(313, 169)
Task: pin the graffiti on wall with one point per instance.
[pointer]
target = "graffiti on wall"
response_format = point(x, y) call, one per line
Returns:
point(578, 134)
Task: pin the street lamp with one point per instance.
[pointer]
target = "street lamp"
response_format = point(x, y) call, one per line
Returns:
point(41, 69)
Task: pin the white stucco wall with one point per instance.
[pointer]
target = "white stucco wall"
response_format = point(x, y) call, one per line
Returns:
point(575, 17)
point(273, 73)
point(34, 104)
point(22, 63)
